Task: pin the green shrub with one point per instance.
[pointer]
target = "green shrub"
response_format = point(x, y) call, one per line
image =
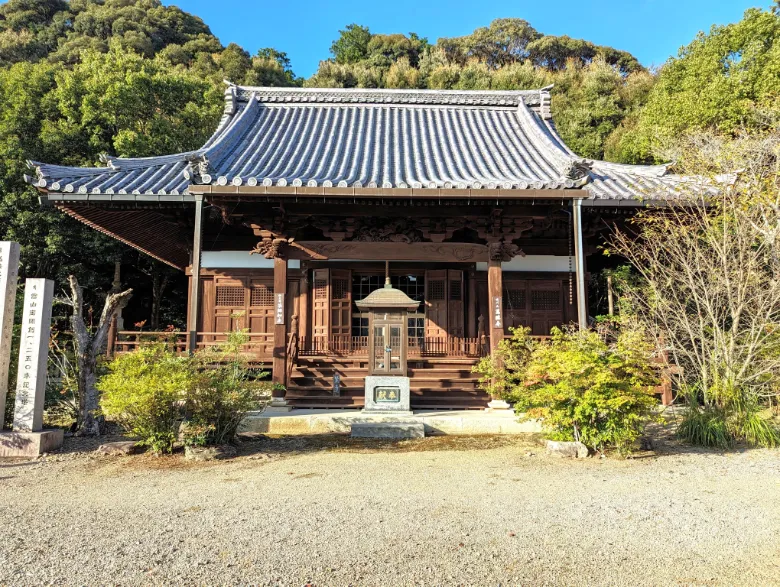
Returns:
point(144, 391)
point(224, 390)
point(736, 419)
point(579, 386)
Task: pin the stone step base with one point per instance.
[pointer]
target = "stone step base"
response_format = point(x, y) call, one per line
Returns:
point(388, 430)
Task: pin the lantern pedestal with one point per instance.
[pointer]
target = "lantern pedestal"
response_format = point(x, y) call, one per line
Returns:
point(387, 394)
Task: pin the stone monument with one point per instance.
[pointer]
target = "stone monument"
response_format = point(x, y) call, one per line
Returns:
point(28, 437)
point(9, 272)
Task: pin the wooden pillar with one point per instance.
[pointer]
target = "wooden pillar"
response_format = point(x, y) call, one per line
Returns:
point(496, 316)
point(579, 263)
point(194, 305)
point(279, 373)
point(471, 318)
point(303, 304)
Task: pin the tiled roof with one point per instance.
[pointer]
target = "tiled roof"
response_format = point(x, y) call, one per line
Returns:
point(371, 139)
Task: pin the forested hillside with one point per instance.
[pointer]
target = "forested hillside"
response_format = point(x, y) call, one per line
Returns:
point(135, 78)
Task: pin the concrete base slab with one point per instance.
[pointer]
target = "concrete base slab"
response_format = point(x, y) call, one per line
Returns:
point(465, 422)
point(272, 409)
point(384, 413)
point(388, 430)
point(30, 444)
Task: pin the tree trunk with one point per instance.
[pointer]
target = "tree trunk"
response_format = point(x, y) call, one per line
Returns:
point(88, 347)
point(159, 285)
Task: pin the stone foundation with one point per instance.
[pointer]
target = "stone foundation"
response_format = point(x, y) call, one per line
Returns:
point(30, 444)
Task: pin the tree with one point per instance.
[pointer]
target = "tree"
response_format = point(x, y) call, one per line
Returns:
point(352, 44)
point(710, 285)
point(89, 346)
point(727, 79)
point(505, 41)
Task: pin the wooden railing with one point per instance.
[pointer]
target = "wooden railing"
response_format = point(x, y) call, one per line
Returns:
point(352, 346)
point(450, 346)
point(357, 346)
point(259, 348)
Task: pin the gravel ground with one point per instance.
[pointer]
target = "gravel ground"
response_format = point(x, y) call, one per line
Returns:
point(436, 511)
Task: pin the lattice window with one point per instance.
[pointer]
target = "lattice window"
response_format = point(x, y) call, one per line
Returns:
point(262, 296)
point(514, 299)
point(230, 295)
point(320, 289)
point(411, 285)
point(341, 289)
point(436, 290)
point(546, 300)
point(455, 290)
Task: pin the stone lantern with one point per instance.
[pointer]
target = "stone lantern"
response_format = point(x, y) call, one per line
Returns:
point(387, 386)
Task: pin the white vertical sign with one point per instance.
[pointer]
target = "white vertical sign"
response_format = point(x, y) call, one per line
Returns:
point(33, 355)
point(279, 313)
point(9, 273)
point(497, 314)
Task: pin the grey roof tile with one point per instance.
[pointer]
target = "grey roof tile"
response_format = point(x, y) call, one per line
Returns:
point(372, 138)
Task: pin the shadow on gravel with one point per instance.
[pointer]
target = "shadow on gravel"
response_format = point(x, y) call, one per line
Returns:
point(290, 445)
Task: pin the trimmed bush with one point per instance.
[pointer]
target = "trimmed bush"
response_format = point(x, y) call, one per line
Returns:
point(144, 391)
point(225, 389)
point(579, 385)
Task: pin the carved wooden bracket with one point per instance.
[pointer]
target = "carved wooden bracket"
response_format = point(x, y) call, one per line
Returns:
point(504, 251)
point(271, 248)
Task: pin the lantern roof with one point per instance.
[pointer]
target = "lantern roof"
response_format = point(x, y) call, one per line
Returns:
point(387, 297)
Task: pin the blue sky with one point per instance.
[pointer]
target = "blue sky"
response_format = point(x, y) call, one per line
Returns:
point(650, 29)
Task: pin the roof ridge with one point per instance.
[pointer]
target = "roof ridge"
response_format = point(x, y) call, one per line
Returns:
point(534, 97)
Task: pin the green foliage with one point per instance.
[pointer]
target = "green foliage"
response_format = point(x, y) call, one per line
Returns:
point(596, 88)
point(580, 386)
point(85, 77)
point(352, 44)
point(723, 426)
point(225, 389)
point(144, 391)
point(727, 79)
point(150, 390)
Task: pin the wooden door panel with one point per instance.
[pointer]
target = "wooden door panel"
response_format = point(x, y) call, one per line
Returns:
point(546, 305)
point(261, 305)
point(320, 304)
point(230, 306)
point(341, 302)
point(436, 304)
point(455, 307)
point(515, 300)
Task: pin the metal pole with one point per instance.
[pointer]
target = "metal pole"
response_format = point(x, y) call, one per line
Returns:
point(192, 315)
point(579, 262)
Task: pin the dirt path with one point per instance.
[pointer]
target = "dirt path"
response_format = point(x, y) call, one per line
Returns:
point(430, 512)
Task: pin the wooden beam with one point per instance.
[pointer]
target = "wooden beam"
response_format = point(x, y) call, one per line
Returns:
point(194, 301)
point(389, 251)
point(387, 193)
